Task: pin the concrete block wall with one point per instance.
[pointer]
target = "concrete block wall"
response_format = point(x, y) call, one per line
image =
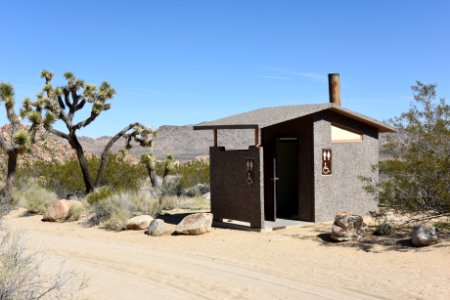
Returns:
point(232, 195)
point(343, 190)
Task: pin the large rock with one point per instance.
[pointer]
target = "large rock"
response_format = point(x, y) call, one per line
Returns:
point(60, 210)
point(423, 236)
point(195, 224)
point(347, 226)
point(156, 228)
point(139, 222)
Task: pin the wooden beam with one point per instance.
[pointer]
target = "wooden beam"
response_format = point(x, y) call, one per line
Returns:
point(209, 127)
point(256, 137)
point(215, 137)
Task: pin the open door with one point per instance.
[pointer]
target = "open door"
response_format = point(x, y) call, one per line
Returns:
point(286, 178)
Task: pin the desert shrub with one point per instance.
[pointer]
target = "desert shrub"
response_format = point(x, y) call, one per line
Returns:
point(112, 212)
point(33, 197)
point(442, 225)
point(200, 203)
point(77, 211)
point(99, 194)
point(193, 172)
point(169, 202)
point(416, 177)
point(22, 275)
point(66, 178)
point(143, 204)
point(190, 172)
point(171, 185)
point(117, 221)
point(196, 190)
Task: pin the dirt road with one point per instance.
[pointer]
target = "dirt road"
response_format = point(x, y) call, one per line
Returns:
point(229, 264)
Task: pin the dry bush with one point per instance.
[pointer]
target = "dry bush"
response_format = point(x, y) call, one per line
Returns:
point(169, 202)
point(195, 203)
point(77, 211)
point(200, 203)
point(33, 197)
point(22, 276)
point(113, 212)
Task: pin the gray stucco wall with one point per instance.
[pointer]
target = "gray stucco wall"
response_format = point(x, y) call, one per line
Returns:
point(343, 190)
point(232, 197)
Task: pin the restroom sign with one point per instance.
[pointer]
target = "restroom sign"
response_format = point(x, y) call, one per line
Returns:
point(326, 161)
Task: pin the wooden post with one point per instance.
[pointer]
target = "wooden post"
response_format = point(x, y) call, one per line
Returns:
point(215, 137)
point(256, 137)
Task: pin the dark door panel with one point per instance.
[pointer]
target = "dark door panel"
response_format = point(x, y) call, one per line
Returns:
point(286, 178)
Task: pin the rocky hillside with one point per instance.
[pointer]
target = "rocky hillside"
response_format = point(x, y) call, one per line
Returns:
point(49, 149)
point(181, 141)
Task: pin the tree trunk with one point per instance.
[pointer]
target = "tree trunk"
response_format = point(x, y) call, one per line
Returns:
point(6, 193)
point(88, 182)
point(104, 156)
point(152, 175)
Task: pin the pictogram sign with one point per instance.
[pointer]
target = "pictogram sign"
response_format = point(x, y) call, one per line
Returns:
point(326, 162)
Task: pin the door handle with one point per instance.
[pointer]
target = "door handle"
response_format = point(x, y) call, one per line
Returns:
point(275, 178)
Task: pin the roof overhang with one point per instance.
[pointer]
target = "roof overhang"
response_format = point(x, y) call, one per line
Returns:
point(382, 127)
point(240, 126)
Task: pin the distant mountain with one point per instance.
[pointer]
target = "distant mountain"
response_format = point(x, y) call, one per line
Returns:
point(181, 141)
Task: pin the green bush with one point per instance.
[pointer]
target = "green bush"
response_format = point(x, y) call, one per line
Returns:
point(99, 194)
point(116, 222)
point(77, 211)
point(442, 225)
point(416, 177)
point(191, 172)
point(66, 178)
point(33, 197)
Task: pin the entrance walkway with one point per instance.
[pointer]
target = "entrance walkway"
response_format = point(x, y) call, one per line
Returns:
point(268, 225)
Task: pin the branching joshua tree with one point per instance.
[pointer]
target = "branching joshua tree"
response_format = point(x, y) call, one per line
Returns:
point(63, 102)
point(20, 140)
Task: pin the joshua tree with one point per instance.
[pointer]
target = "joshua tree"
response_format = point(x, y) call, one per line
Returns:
point(20, 140)
point(62, 103)
point(149, 160)
point(169, 165)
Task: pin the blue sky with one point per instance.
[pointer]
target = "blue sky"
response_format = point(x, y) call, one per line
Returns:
point(184, 62)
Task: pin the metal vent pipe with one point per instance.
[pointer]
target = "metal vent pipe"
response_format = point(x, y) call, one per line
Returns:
point(334, 84)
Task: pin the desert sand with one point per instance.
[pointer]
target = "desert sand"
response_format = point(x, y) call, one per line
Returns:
point(296, 263)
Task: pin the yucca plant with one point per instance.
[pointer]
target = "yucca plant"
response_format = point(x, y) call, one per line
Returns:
point(63, 102)
point(20, 142)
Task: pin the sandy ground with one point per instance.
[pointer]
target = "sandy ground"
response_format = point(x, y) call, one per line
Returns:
point(296, 263)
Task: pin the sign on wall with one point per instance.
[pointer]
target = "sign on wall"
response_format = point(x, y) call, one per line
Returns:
point(326, 161)
point(250, 171)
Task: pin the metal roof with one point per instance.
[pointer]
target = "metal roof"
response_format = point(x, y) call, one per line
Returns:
point(265, 117)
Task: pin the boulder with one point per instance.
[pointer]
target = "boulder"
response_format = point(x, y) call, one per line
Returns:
point(60, 210)
point(383, 229)
point(139, 222)
point(156, 228)
point(195, 224)
point(347, 226)
point(423, 236)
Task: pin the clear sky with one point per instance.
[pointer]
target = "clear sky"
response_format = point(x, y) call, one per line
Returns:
point(184, 62)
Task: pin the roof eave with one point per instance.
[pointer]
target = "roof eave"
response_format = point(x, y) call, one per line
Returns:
point(383, 128)
point(240, 126)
